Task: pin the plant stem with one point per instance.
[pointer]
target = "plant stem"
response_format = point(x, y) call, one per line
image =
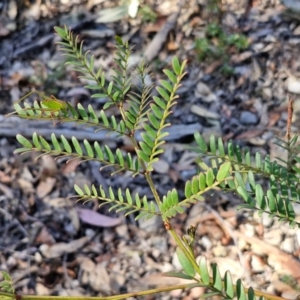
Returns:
point(117, 297)
point(147, 175)
point(185, 250)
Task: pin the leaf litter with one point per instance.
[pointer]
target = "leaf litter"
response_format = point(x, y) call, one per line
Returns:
point(85, 244)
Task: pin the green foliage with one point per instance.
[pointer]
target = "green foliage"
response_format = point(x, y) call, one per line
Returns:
point(214, 30)
point(283, 189)
point(224, 167)
point(120, 202)
point(147, 13)
point(217, 44)
point(222, 287)
point(7, 284)
point(291, 282)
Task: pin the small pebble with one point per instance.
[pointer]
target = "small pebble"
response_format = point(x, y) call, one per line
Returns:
point(267, 220)
point(248, 118)
point(206, 242)
point(176, 262)
point(288, 245)
point(151, 225)
point(273, 237)
point(220, 251)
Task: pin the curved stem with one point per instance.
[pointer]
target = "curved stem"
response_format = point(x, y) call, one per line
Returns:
point(185, 250)
point(117, 297)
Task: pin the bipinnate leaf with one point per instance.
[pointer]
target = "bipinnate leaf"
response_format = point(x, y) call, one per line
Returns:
point(84, 151)
point(153, 135)
point(119, 201)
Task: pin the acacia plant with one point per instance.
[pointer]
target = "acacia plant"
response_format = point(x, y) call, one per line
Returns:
point(229, 168)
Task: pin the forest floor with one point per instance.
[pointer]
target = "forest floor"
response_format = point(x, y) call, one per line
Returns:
point(243, 64)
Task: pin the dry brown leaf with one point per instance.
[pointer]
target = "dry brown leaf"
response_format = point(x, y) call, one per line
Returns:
point(99, 33)
point(173, 46)
point(238, 58)
point(185, 162)
point(63, 270)
point(274, 117)
point(174, 175)
point(91, 217)
point(45, 187)
point(59, 249)
point(70, 166)
point(27, 175)
point(102, 285)
point(227, 263)
point(48, 167)
point(3, 30)
point(15, 93)
point(161, 166)
point(257, 141)
point(86, 264)
point(159, 39)
point(213, 66)
point(73, 214)
point(160, 280)
point(242, 80)
point(44, 237)
point(41, 290)
point(286, 262)
point(6, 191)
point(203, 112)
point(154, 27)
point(13, 80)
point(256, 71)
point(282, 287)
point(4, 178)
point(60, 202)
point(203, 91)
point(258, 264)
point(25, 185)
point(252, 133)
point(77, 91)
